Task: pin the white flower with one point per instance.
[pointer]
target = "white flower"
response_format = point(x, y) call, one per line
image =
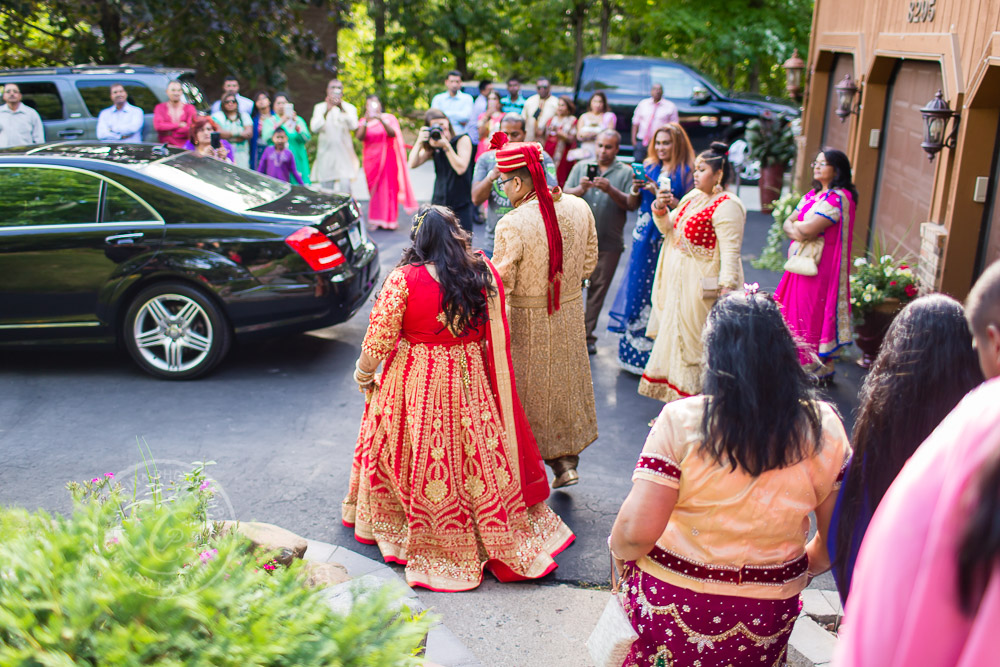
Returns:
point(885, 259)
point(860, 261)
point(868, 297)
point(907, 272)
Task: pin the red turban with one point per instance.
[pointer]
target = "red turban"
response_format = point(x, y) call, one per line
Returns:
point(511, 157)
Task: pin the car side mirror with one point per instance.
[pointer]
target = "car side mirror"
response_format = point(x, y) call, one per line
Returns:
point(700, 95)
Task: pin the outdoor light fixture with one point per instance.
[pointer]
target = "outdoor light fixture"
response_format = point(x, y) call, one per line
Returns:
point(846, 90)
point(794, 67)
point(936, 115)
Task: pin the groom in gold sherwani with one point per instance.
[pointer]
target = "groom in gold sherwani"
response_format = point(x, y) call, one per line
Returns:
point(544, 249)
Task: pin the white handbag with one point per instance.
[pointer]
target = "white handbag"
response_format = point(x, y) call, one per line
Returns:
point(613, 636)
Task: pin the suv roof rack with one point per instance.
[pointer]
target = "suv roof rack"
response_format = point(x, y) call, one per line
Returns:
point(124, 68)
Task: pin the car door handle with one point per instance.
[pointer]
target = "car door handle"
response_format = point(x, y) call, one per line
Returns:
point(123, 239)
point(71, 133)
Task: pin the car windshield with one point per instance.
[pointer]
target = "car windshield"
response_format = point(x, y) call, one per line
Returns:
point(218, 182)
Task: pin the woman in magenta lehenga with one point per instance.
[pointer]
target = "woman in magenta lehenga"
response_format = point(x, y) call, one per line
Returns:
point(385, 166)
point(818, 308)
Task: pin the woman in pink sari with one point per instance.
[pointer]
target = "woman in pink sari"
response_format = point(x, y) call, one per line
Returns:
point(385, 166)
point(818, 308)
point(926, 588)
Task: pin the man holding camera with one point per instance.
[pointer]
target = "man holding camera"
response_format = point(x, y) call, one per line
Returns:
point(452, 156)
point(333, 121)
point(607, 185)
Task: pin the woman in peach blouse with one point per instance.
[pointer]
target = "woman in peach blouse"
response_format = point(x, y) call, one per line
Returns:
point(712, 538)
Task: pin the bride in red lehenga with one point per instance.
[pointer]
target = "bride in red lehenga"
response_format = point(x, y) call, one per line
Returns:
point(447, 478)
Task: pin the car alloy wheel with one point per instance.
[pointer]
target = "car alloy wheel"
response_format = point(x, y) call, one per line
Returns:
point(173, 331)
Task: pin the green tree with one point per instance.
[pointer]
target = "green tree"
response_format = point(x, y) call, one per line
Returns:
point(253, 39)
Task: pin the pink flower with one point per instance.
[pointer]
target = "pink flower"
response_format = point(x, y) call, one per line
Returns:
point(893, 282)
point(94, 481)
point(911, 290)
point(205, 485)
point(109, 475)
point(903, 266)
point(206, 556)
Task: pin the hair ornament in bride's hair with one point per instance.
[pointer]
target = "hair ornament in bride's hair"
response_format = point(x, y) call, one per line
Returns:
point(750, 289)
point(419, 220)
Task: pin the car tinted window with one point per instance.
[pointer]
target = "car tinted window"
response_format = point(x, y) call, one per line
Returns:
point(43, 97)
point(220, 183)
point(97, 95)
point(38, 196)
point(120, 206)
point(677, 83)
point(619, 76)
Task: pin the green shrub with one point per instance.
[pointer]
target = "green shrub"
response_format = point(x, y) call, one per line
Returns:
point(121, 582)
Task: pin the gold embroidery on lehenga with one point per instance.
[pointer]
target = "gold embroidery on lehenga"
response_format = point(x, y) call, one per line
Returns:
point(704, 640)
point(434, 481)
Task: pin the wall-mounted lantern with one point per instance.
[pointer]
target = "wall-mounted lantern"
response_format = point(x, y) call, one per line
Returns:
point(794, 68)
point(846, 90)
point(936, 115)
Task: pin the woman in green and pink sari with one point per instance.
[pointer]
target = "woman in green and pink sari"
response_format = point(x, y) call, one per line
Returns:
point(384, 161)
point(818, 308)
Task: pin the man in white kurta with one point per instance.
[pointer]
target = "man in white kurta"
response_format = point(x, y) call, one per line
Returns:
point(333, 121)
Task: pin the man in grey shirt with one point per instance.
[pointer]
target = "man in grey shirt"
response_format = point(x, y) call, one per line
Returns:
point(611, 195)
point(20, 125)
point(486, 179)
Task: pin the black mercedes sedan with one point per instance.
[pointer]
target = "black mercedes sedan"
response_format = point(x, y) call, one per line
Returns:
point(169, 254)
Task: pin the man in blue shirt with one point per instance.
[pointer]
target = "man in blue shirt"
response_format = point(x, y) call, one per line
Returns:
point(514, 102)
point(455, 104)
point(121, 121)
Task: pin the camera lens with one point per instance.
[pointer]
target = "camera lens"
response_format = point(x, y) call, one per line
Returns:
point(435, 133)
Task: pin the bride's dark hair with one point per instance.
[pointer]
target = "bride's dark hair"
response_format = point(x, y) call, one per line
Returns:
point(466, 281)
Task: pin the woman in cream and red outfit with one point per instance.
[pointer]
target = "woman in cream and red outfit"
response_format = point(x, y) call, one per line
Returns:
point(712, 537)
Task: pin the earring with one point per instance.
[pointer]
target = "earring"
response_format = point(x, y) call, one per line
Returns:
point(717, 188)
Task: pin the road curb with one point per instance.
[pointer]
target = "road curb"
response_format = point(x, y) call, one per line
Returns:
point(444, 648)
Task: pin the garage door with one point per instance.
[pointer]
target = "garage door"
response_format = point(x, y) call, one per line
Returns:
point(905, 177)
point(834, 130)
point(990, 251)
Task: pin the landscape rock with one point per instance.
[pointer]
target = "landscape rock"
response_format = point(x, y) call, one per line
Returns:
point(285, 544)
point(322, 575)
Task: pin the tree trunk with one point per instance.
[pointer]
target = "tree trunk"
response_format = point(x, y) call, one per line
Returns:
point(579, 23)
point(753, 78)
point(333, 55)
point(459, 49)
point(111, 31)
point(378, 57)
point(605, 24)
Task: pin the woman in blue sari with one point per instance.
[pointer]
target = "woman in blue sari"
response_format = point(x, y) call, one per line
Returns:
point(670, 157)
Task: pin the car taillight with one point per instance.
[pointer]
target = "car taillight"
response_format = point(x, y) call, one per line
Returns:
point(319, 252)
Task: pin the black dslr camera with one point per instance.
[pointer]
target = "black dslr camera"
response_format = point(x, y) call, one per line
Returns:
point(435, 133)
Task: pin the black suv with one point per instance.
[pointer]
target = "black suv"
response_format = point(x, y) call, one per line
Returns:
point(707, 113)
point(69, 99)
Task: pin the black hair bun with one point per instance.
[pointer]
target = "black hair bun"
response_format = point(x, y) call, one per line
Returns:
point(719, 148)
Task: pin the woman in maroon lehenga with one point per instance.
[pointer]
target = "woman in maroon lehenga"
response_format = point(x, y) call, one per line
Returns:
point(447, 478)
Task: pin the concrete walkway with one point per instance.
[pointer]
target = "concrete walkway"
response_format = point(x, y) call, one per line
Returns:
point(528, 624)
